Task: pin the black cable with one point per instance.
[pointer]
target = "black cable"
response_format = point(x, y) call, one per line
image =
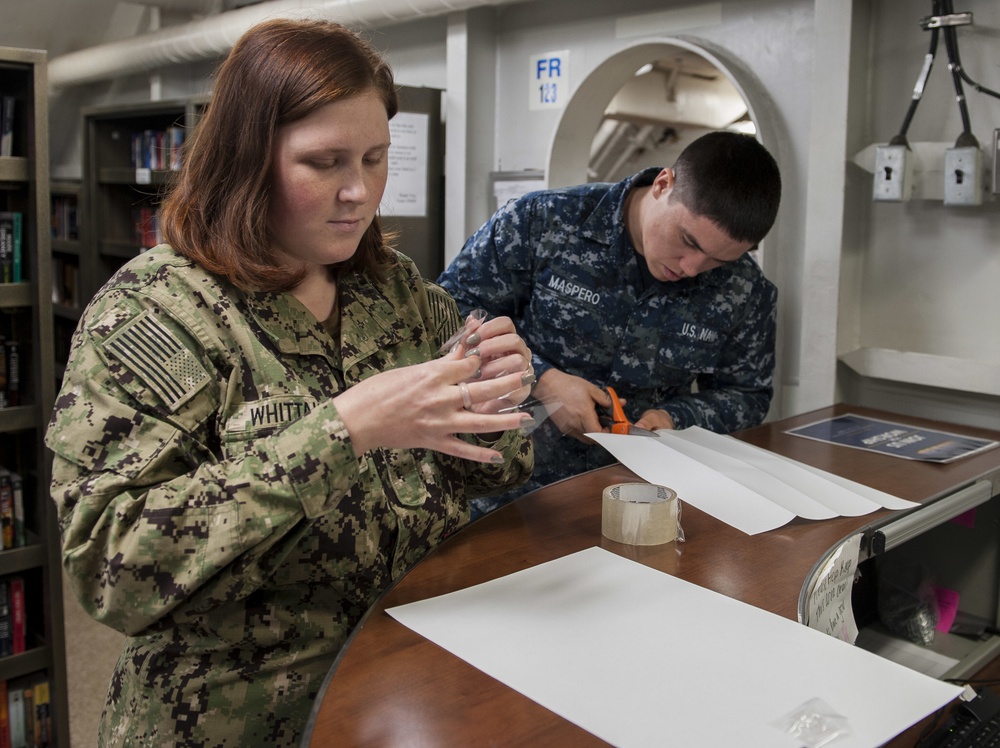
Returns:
point(961, 71)
point(955, 66)
point(958, 74)
point(918, 89)
point(984, 682)
point(979, 87)
point(931, 727)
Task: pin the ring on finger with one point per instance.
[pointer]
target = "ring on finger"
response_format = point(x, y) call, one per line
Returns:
point(466, 395)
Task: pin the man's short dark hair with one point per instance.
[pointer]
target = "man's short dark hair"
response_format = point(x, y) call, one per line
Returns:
point(731, 179)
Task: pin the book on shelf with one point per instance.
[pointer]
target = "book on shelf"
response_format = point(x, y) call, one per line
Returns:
point(6, 621)
point(7, 105)
point(146, 231)
point(4, 717)
point(13, 632)
point(28, 703)
point(12, 506)
point(20, 534)
point(18, 250)
point(10, 373)
point(64, 218)
point(158, 149)
point(11, 261)
point(175, 136)
point(6, 511)
point(18, 622)
point(4, 401)
point(15, 715)
point(43, 714)
point(26, 712)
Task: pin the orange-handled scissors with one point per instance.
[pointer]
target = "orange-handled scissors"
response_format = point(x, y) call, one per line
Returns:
point(617, 422)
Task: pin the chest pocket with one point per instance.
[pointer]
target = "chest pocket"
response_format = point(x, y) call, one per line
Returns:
point(688, 349)
point(259, 418)
point(402, 476)
point(568, 322)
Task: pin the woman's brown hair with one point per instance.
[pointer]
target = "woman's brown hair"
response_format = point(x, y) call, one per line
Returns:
point(278, 72)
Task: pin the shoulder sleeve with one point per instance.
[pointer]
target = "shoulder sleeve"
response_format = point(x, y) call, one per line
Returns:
point(493, 270)
point(154, 518)
point(445, 318)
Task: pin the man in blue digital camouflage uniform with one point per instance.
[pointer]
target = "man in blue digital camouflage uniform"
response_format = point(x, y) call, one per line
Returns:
point(644, 285)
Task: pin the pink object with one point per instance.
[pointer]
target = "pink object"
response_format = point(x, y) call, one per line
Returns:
point(966, 518)
point(947, 601)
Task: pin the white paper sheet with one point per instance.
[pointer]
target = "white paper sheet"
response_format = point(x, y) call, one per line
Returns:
point(819, 485)
point(697, 484)
point(406, 190)
point(751, 476)
point(742, 485)
point(641, 658)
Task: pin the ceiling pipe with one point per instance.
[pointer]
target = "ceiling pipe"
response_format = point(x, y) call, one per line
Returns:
point(211, 37)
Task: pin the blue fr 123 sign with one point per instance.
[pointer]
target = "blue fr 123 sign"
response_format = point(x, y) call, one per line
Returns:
point(548, 84)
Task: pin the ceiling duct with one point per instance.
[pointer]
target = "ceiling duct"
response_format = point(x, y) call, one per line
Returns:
point(213, 36)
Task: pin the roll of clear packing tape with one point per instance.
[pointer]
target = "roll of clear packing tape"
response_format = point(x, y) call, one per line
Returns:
point(640, 514)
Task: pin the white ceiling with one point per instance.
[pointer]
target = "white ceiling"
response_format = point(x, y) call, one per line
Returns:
point(61, 26)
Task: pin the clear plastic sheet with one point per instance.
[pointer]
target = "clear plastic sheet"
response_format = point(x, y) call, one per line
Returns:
point(907, 603)
point(538, 409)
point(814, 724)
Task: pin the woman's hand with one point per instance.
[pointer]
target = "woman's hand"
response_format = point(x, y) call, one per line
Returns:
point(502, 352)
point(426, 404)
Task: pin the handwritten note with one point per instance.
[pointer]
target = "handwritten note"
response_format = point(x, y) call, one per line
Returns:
point(406, 195)
point(829, 606)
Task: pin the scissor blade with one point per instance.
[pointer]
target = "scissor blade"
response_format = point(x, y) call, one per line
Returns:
point(636, 431)
point(540, 410)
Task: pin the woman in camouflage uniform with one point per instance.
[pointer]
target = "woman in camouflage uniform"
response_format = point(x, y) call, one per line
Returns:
point(255, 433)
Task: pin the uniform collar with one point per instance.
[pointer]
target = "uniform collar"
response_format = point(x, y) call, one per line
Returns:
point(366, 321)
point(285, 320)
point(612, 232)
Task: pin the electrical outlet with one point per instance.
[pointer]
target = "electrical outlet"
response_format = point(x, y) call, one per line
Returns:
point(963, 176)
point(893, 181)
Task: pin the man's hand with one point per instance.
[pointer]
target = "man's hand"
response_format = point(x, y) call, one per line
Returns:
point(580, 400)
point(655, 419)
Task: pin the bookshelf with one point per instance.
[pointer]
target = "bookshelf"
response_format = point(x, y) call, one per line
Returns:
point(26, 318)
point(130, 155)
point(67, 270)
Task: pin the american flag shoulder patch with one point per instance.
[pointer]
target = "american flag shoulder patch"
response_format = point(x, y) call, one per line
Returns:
point(444, 313)
point(155, 355)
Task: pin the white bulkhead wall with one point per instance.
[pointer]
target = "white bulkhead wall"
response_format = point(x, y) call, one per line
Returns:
point(887, 305)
